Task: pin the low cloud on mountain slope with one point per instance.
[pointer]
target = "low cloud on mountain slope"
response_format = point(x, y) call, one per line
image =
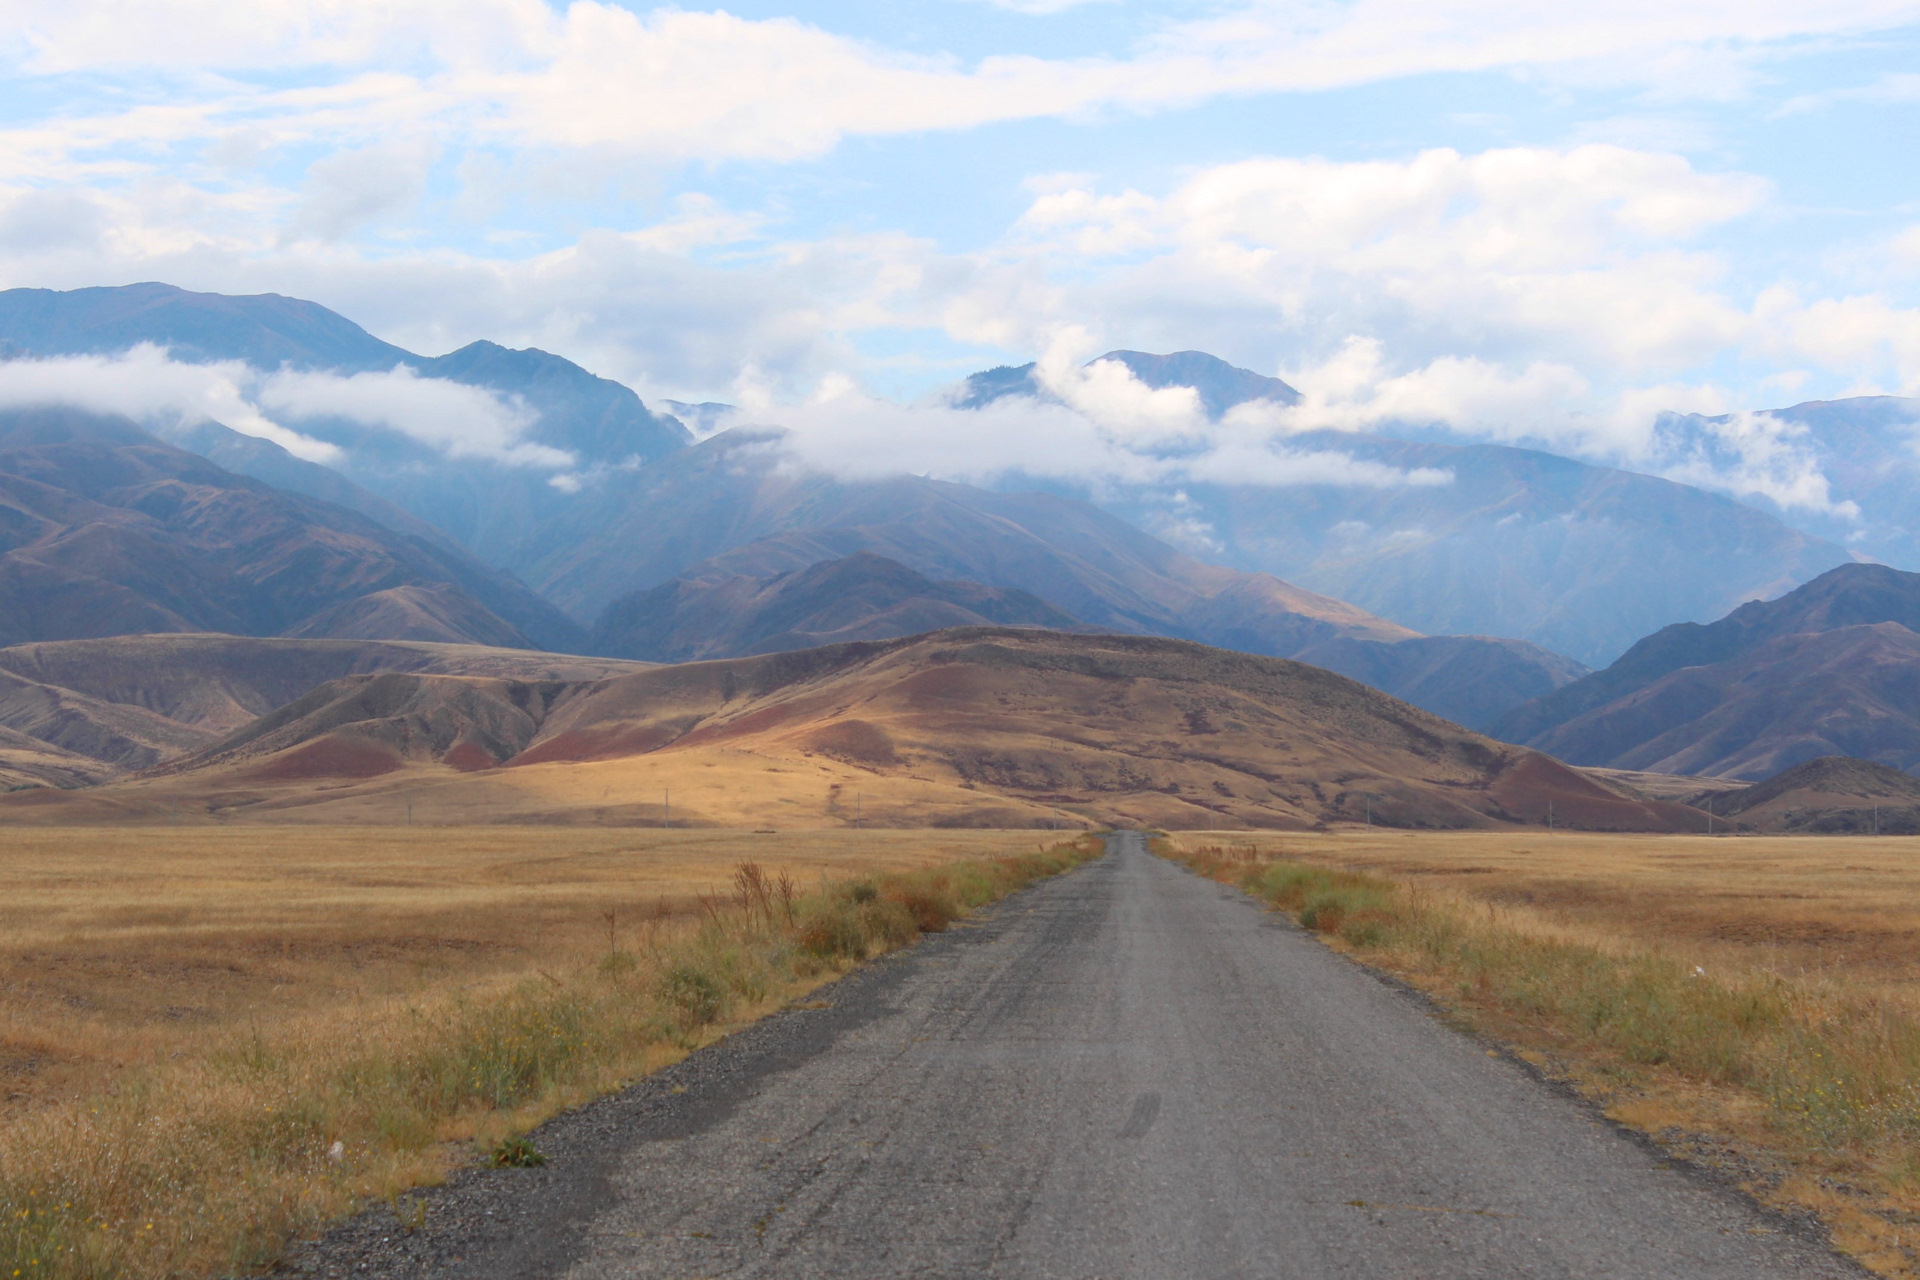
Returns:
point(482, 443)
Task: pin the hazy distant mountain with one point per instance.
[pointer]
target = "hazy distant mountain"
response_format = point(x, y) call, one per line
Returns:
point(1220, 385)
point(105, 530)
point(265, 330)
point(726, 510)
point(1866, 448)
point(1832, 668)
point(1580, 559)
point(495, 509)
point(859, 597)
point(1471, 680)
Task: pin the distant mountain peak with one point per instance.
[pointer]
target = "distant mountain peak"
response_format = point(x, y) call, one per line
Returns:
point(1220, 386)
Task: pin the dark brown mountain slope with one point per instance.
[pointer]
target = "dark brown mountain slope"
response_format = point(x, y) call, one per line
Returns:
point(972, 726)
point(106, 530)
point(1850, 595)
point(1854, 691)
point(860, 597)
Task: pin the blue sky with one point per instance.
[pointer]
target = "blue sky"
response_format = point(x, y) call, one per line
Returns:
point(1516, 223)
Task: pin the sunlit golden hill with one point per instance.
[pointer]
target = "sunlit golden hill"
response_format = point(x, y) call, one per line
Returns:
point(967, 727)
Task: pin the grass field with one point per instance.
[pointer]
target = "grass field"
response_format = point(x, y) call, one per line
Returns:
point(1753, 1002)
point(192, 1018)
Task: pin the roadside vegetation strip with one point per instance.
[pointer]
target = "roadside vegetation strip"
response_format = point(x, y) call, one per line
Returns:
point(1805, 1090)
point(209, 1166)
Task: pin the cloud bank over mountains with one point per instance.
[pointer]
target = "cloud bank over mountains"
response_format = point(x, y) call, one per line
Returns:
point(148, 385)
point(1573, 232)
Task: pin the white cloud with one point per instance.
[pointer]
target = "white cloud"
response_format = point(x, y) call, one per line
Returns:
point(1042, 8)
point(1585, 251)
point(350, 189)
point(1754, 455)
point(1099, 442)
point(148, 386)
point(683, 83)
point(458, 420)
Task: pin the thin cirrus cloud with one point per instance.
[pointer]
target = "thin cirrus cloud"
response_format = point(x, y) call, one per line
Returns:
point(711, 84)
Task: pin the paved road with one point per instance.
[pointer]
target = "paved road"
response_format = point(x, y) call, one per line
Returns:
point(1126, 1072)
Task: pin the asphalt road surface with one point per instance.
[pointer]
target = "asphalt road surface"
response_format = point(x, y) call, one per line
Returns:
point(1127, 1071)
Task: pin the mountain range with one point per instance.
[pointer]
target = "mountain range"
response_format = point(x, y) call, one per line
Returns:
point(626, 535)
point(1580, 559)
point(106, 530)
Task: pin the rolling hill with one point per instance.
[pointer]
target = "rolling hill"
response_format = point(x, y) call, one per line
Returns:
point(1828, 795)
point(975, 726)
point(102, 707)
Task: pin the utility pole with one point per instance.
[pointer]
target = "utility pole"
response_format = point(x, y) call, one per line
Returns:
point(409, 810)
point(1876, 819)
point(666, 807)
point(1549, 816)
point(1369, 810)
point(856, 811)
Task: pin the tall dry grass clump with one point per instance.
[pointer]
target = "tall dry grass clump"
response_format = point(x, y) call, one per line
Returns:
point(1822, 1076)
point(209, 1165)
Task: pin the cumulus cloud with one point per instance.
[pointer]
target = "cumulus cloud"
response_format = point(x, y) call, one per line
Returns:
point(1752, 455)
point(148, 386)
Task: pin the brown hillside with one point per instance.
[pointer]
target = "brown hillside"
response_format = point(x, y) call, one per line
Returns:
point(975, 726)
point(130, 702)
point(106, 530)
point(1852, 691)
point(1829, 795)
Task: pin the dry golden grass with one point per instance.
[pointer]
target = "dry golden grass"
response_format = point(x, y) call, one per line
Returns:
point(190, 1018)
point(1753, 1002)
point(123, 946)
